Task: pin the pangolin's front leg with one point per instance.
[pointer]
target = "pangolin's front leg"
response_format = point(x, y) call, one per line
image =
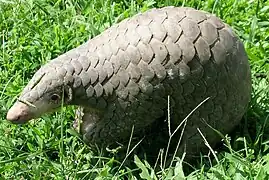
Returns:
point(86, 120)
point(98, 127)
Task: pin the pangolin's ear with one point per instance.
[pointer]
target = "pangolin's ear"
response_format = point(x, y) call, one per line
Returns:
point(68, 94)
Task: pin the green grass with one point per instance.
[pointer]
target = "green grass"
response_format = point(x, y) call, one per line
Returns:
point(35, 31)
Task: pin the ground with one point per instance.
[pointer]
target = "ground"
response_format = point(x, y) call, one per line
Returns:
point(33, 32)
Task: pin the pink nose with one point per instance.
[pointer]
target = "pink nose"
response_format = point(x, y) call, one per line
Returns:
point(18, 113)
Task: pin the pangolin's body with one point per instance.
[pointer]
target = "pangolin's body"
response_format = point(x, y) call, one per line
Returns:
point(122, 79)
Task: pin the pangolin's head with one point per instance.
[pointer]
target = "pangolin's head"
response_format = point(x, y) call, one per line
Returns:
point(45, 92)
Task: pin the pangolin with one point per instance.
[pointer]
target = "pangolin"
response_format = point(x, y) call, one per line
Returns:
point(121, 81)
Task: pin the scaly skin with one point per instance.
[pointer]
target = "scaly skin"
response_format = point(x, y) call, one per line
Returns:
point(122, 78)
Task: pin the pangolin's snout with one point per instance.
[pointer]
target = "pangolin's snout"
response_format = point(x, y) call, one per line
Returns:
point(18, 113)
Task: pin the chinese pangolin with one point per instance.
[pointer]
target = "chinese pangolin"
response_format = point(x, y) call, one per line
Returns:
point(121, 81)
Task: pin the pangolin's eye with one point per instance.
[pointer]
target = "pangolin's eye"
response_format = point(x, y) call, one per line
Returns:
point(55, 97)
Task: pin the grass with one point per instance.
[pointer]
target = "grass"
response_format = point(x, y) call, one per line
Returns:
point(33, 32)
